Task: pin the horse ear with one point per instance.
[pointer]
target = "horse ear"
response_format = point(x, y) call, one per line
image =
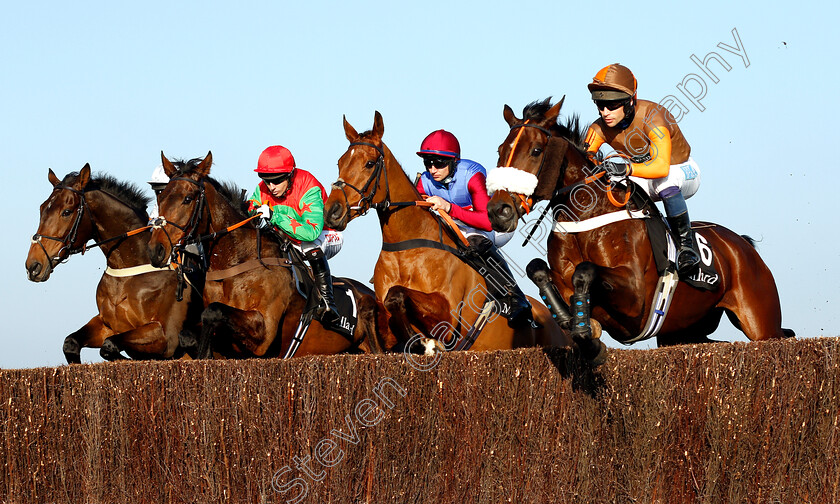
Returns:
point(349, 131)
point(52, 178)
point(203, 168)
point(168, 167)
point(84, 176)
point(378, 125)
point(552, 113)
point(510, 117)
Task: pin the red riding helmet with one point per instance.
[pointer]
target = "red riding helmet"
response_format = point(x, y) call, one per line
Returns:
point(440, 143)
point(276, 159)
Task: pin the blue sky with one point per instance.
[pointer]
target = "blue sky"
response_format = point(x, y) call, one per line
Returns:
point(112, 85)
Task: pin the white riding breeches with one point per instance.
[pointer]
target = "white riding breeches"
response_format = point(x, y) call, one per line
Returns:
point(685, 176)
point(330, 241)
point(498, 239)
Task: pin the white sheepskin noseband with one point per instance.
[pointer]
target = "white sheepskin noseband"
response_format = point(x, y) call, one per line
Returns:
point(511, 179)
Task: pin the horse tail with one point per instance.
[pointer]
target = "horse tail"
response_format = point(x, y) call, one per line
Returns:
point(749, 239)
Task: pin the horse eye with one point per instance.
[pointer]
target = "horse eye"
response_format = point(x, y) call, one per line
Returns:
point(536, 152)
point(66, 212)
point(370, 164)
point(188, 200)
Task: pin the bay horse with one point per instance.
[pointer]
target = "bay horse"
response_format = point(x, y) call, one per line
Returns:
point(421, 281)
point(252, 306)
point(608, 271)
point(138, 312)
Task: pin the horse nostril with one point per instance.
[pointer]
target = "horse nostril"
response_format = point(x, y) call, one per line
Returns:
point(34, 268)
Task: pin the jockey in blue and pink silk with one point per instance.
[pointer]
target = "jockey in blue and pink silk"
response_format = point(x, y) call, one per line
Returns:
point(458, 187)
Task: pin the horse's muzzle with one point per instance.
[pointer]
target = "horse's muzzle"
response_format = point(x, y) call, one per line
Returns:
point(336, 217)
point(36, 272)
point(503, 216)
point(157, 255)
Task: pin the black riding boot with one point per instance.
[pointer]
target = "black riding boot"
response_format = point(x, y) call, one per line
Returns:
point(500, 282)
point(687, 257)
point(327, 312)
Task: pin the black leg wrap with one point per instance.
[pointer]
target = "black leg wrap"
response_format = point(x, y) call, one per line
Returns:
point(579, 304)
point(540, 274)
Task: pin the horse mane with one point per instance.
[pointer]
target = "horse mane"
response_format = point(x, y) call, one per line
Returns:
point(571, 130)
point(236, 196)
point(126, 192)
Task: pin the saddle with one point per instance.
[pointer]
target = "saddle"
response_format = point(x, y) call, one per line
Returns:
point(663, 247)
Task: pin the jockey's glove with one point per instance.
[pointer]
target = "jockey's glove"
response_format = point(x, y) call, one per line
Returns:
point(265, 212)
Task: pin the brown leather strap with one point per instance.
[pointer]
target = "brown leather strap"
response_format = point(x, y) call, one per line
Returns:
point(215, 276)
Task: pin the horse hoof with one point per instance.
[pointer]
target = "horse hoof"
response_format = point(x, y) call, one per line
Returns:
point(593, 350)
point(596, 329)
point(431, 346)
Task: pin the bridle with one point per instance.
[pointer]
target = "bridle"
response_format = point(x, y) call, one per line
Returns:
point(527, 201)
point(191, 227)
point(366, 200)
point(71, 236)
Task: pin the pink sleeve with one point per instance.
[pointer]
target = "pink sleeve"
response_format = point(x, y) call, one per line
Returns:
point(477, 215)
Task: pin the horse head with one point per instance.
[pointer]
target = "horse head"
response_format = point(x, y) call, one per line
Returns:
point(362, 179)
point(62, 230)
point(533, 162)
point(181, 206)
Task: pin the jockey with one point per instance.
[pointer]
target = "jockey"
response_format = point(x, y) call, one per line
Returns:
point(292, 200)
point(458, 187)
point(647, 135)
point(158, 181)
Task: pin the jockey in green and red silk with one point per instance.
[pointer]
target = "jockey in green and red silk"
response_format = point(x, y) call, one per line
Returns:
point(658, 155)
point(458, 187)
point(292, 200)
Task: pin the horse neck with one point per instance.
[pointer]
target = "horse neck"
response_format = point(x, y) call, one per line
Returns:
point(234, 247)
point(113, 218)
point(400, 223)
point(578, 168)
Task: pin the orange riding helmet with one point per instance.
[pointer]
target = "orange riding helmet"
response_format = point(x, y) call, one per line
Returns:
point(613, 82)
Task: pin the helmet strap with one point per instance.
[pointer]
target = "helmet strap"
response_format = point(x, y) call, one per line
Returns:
point(629, 114)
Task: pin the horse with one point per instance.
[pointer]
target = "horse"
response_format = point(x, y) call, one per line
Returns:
point(252, 305)
point(138, 312)
point(432, 297)
point(608, 272)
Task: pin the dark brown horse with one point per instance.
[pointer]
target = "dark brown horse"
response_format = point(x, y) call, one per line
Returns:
point(426, 288)
point(252, 307)
point(612, 265)
point(138, 312)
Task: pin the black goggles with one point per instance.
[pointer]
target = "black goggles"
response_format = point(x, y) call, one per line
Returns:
point(436, 162)
point(610, 104)
point(274, 178)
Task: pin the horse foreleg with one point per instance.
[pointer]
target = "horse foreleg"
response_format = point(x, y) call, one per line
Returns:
point(371, 332)
point(591, 348)
point(91, 335)
point(414, 308)
point(145, 342)
point(539, 273)
point(247, 329)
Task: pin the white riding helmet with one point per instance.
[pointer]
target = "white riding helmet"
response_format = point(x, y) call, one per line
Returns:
point(159, 176)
